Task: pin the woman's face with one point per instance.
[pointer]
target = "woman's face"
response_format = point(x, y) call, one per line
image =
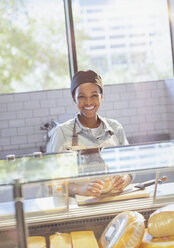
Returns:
point(88, 98)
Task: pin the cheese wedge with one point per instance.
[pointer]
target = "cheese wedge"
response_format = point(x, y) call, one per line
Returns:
point(125, 230)
point(84, 239)
point(151, 242)
point(60, 240)
point(161, 222)
point(36, 242)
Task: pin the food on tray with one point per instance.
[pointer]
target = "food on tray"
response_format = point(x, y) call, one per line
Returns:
point(125, 230)
point(84, 239)
point(152, 242)
point(108, 185)
point(36, 242)
point(61, 240)
point(161, 222)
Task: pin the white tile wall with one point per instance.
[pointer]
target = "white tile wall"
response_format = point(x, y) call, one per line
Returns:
point(143, 108)
point(170, 105)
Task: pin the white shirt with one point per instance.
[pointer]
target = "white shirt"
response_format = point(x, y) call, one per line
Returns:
point(109, 133)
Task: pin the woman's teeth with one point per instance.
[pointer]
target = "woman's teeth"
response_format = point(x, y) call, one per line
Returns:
point(89, 108)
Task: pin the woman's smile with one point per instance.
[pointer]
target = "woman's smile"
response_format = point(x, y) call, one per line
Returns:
point(89, 111)
point(89, 108)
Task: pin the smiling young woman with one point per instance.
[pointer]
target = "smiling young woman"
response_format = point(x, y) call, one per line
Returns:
point(89, 130)
point(88, 98)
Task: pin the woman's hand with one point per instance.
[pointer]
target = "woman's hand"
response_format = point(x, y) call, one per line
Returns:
point(95, 187)
point(91, 188)
point(121, 181)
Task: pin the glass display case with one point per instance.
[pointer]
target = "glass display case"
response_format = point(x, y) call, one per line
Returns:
point(34, 192)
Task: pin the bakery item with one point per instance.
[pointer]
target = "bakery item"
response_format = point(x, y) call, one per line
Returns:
point(161, 222)
point(152, 242)
point(108, 185)
point(125, 230)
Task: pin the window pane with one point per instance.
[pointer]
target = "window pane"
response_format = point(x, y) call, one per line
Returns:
point(33, 47)
point(124, 40)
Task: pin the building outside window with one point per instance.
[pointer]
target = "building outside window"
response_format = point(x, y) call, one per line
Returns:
point(123, 40)
point(126, 40)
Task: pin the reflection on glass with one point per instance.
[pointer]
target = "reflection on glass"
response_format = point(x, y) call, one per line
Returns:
point(89, 162)
point(29, 169)
point(140, 157)
point(8, 234)
point(124, 40)
point(162, 190)
point(33, 49)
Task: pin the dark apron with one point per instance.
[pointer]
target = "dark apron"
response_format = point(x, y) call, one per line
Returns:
point(74, 136)
point(90, 155)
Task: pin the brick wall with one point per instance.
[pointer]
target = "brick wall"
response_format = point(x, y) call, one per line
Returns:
point(144, 109)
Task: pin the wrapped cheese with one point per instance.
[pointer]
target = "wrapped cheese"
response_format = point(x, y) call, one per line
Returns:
point(61, 240)
point(151, 242)
point(125, 230)
point(36, 242)
point(161, 222)
point(83, 239)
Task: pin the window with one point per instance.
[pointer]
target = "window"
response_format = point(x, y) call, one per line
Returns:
point(33, 46)
point(131, 36)
point(135, 39)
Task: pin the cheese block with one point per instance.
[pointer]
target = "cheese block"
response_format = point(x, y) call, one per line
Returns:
point(151, 242)
point(60, 240)
point(161, 222)
point(36, 242)
point(83, 239)
point(125, 230)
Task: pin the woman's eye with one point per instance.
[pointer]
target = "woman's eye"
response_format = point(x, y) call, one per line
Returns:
point(94, 96)
point(81, 97)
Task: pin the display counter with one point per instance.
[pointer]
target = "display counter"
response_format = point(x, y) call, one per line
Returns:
point(34, 197)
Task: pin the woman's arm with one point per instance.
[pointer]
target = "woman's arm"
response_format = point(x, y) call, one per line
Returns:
point(56, 142)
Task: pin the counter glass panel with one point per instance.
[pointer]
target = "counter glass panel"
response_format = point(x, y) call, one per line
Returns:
point(89, 162)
